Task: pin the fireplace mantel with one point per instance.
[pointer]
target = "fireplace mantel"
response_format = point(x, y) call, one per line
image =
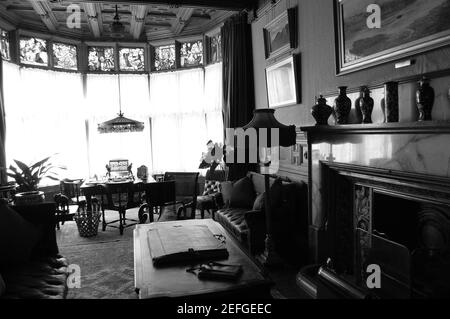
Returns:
point(429, 127)
point(416, 151)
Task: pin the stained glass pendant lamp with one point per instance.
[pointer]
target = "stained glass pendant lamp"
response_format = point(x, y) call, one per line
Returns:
point(120, 124)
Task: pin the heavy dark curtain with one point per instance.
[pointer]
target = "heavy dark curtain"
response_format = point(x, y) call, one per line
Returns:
point(238, 81)
point(3, 177)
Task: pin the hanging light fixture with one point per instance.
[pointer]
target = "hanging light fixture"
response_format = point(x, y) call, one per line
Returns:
point(117, 28)
point(120, 124)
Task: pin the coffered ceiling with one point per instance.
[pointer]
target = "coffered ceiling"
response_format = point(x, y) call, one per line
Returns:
point(143, 20)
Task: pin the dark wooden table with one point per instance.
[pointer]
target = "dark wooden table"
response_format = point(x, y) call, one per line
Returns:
point(175, 282)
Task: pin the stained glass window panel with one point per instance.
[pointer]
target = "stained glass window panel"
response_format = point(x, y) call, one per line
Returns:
point(4, 45)
point(164, 58)
point(101, 59)
point(33, 51)
point(191, 54)
point(215, 50)
point(131, 59)
point(65, 56)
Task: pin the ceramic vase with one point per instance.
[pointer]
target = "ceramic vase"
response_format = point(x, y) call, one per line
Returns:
point(366, 105)
point(383, 109)
point(391, 102)
point(342, 106)
point(359, 116)
point(425, 100)
point(321, 111)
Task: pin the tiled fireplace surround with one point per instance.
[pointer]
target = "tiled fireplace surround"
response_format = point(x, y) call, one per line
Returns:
point(354, 166)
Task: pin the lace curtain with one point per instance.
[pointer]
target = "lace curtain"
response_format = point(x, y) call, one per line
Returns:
point(186, 112)
point(44, 116)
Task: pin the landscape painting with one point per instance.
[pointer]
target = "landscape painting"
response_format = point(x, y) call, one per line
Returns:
point(277, 37)
point(406, 27)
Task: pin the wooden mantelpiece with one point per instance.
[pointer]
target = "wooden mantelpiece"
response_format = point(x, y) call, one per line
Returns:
point(429, 127)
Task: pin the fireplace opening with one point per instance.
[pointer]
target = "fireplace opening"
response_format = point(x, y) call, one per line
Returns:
point(424, 229)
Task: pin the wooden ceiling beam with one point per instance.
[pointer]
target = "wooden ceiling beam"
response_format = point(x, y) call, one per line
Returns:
point(138, 14)
point(233, 5)
point(156, 14)
point(183, 17)
point(94, 17)
point(44, 10)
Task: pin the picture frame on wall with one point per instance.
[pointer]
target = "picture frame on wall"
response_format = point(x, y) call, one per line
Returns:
point(280, 35)
point(283, 82)
point(412, 28)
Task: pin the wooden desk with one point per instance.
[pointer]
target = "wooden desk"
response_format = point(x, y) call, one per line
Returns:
point(175, 282)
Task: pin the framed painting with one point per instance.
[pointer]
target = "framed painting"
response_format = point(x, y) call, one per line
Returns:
point(280, 35)
point(282, 80)
point(372, 32)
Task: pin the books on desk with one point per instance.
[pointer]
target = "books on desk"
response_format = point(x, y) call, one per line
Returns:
point(171, 244)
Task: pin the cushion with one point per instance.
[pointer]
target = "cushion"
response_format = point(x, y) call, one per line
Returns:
point(2, 286)
point(226, 188)
point(17, 237)
point(211, 187)
point(275, 196)
point(259, 202)
point(243, 195)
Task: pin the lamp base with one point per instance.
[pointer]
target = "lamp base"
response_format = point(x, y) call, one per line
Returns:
point(269, 258)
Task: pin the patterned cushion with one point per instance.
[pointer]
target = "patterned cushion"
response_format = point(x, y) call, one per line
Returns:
point(211, 187)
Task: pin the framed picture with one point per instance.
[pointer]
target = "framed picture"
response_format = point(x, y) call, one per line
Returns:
point(371, 32)
point(283, 85)
point(280, 35)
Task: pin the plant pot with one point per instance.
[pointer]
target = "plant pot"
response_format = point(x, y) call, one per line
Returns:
point(29, 198)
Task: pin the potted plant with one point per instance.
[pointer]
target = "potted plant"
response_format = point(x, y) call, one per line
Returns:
point(28, 177)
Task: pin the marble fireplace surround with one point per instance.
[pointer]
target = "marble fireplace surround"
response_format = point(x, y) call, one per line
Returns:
point(405, 159)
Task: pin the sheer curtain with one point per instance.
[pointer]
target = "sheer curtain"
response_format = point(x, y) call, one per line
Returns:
point(44, 111)
point(186, 113)
point(102, 99)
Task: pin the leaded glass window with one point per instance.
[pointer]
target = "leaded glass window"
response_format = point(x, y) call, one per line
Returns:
point(215, 48)
point(164, 58)
point(65, 56)
point(33, 51)
point(4, 45)
point(191, 54)
point(131, 59)
point(101, 59)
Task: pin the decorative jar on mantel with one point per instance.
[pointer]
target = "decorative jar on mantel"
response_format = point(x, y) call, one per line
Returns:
point(366, 105)
point(425, 100)
point(321, 111)
point(342, 106)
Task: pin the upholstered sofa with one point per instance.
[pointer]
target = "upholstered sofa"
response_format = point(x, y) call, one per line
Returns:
point(289, 218)
point(44, 274)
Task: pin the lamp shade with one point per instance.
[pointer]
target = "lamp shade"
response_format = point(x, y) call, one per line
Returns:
point(120, 124)
point(265, 118)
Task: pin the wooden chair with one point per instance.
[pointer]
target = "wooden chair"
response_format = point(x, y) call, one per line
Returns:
point(119, 197)
point(63, 210)
point(71, 189)
point(186, 189)
point(157, 195)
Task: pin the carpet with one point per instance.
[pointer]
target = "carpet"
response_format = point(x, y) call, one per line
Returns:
point(106, 261)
